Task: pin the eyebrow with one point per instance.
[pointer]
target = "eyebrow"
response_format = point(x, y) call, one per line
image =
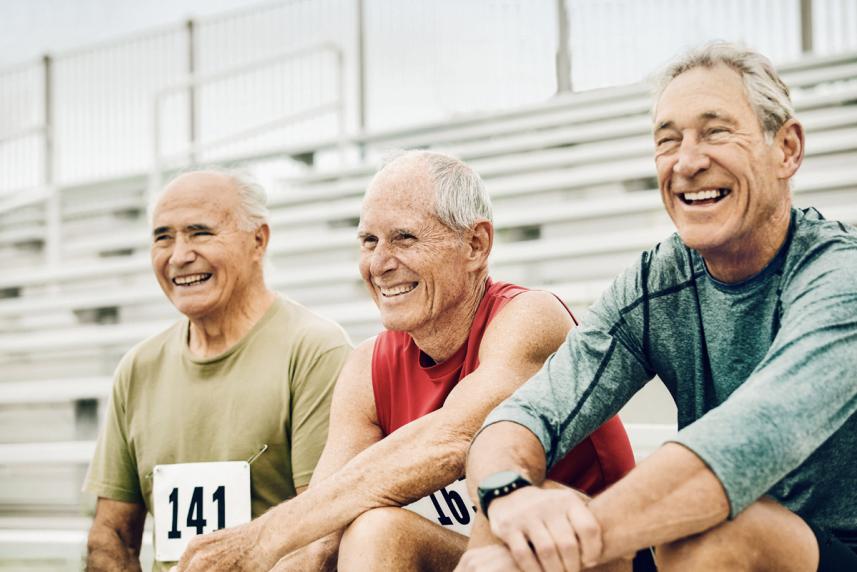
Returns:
point(190, 228)
point(706, 115)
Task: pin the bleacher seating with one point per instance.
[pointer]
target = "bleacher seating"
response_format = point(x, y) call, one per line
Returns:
point(575, 197)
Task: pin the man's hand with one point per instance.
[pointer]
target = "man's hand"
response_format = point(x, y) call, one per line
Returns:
point(492, 558)
point(236, 548)
point(548, 529)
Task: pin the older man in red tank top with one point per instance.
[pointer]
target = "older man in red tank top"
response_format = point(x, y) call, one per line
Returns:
point(409, 401)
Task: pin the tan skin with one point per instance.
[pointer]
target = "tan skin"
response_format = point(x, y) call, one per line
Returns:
point(195, 233)
point(707, 137)
point(423, 276)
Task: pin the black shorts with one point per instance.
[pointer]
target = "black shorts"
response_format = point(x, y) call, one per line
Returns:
point(837, 549)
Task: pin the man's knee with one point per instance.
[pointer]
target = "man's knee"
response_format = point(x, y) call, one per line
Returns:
point(711, 550)
point(379, 525)
point(766, 536)
point(398, 539)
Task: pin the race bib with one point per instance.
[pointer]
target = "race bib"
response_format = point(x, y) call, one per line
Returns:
point(195, 498)
point(450, 507)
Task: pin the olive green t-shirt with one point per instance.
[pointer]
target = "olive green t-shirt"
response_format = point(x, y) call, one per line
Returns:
point(272, 388)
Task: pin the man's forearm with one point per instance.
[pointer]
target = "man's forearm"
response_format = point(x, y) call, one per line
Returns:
point(505, 446)
point(670, 495)
point(320, 555)
point(106, 552)
point(377, 477)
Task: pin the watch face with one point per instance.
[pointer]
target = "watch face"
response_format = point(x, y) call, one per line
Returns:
point(498, 480)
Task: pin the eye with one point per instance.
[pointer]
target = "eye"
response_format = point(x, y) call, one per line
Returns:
point(201, 233)
point(666, 141)
point(406, 237)
point(161, 237)
point(368, 241)
point(717, 131)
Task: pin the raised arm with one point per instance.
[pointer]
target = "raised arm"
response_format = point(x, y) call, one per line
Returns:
point(427, 453)
point(115, 536)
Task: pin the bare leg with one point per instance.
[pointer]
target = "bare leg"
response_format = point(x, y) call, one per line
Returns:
point(387, 539)
point(766, 536)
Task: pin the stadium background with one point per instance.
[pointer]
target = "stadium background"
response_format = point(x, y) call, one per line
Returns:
point(542, 97)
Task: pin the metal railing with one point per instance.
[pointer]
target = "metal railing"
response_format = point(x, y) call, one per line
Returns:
point(85, 115)
point(243, 137)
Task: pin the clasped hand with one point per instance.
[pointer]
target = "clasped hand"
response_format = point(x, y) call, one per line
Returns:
point(549, 529)
point(235, 548)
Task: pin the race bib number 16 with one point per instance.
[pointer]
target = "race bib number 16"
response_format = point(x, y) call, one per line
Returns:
point(195, 498)
point(450, 507)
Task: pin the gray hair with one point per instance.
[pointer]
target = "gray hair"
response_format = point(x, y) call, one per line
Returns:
point(252, 197)
point(461, 199)
point(767, 93)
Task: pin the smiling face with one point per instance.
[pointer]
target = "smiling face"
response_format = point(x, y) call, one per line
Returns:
point(204, 262)
point(720, 180)
point(419, 272)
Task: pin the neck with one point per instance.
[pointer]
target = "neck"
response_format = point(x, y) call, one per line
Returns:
point(750, 257)
point(212, 335)
point(442, 338)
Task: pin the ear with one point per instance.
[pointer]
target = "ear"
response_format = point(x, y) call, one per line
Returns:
point(479, 244)
point(261, 237)
point(790, 145)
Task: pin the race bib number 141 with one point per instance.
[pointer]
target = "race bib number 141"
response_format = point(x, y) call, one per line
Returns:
point(195, 498)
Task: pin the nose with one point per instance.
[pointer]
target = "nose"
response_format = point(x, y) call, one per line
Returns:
point(183, 252)
point(381, 259)
point(691, 158)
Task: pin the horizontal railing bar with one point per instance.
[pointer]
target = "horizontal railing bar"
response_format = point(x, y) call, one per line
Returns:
point(196, 80)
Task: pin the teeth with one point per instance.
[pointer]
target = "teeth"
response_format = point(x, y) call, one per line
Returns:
point(396, 290)
point(704, 195)
point(191, 279)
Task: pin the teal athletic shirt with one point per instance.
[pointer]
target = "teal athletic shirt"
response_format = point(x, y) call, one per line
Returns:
point(764, 373)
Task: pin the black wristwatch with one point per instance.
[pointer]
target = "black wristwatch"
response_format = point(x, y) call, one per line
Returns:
point(499, 485)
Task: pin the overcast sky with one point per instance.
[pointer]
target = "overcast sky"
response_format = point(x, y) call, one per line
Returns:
point(29, 28)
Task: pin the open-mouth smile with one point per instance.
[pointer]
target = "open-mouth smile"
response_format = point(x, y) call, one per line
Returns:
point(191, 279)
point(398, 290)
point(704, 197)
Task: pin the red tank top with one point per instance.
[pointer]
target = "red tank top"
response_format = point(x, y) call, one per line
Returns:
point(406, 388)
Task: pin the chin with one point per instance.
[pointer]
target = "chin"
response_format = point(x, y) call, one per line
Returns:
point(396, 323)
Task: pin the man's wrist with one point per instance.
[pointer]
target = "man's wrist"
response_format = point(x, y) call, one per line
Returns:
point(498, 485)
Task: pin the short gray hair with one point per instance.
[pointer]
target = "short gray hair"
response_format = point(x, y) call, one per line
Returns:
point(767, 93)
point(252, 197)
point(461, 199)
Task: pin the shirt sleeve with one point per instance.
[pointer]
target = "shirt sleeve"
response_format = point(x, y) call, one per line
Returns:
point(310, 399)
point(113, 473)
point(801, 393)
point(594, 372)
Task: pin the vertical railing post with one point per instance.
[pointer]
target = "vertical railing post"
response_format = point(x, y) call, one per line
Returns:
point(361, 67)
point(53, 204)
point(340, 96)
point(563, 49)
point(806, 26)
point(155, 173)
point(191, 92)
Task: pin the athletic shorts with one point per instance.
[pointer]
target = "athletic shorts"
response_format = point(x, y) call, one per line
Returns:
point(837, 549)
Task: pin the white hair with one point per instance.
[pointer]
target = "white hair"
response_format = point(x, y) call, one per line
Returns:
point(461, 199)
point(766, 92)
point(252, 197)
